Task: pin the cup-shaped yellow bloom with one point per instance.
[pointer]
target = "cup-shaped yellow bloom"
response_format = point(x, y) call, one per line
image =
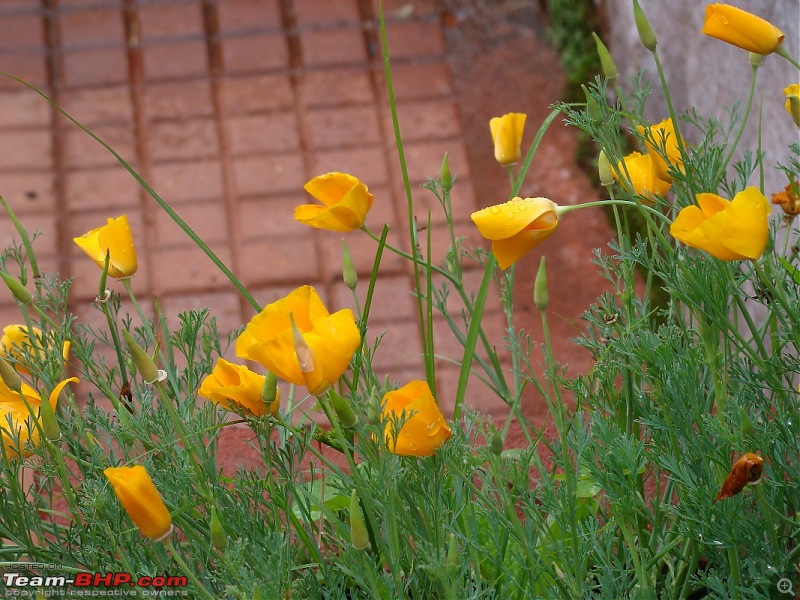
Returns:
point(742, 29)
point(18, 346)
point(345, 203)
point(332, 339)
point(507, 137)
point(115, 238)
point(230, 384)
point(728, 230)
point(24, 427)
point(516, 226)
point(423, 429)
point(661, 139)
point(141, 500)
point(643, 176)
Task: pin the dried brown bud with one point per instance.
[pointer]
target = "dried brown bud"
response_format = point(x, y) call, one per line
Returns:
point(747, 470)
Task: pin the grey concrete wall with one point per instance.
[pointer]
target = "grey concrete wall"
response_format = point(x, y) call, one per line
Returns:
point(710, 74)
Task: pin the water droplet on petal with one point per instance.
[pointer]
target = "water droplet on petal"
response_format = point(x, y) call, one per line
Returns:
point(495, 210)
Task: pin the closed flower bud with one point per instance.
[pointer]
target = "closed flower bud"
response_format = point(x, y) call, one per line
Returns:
point(445, 178)
point(592, 107)
point(742, 29)
point(359, 535)
point(269, 392)
point(496, 440)
point(746, 471)
point(604, 170)
point(219, 539)
point(20, 292)
point(646, 33)
point(141, 500)
point(452, 560)
point(344, 410)
point(507, 137)
point(747, 425)
point(10, 377)
point(606, 61)
point(794, 108)
point(144, 364)
point(541, 295)
point(349, 274)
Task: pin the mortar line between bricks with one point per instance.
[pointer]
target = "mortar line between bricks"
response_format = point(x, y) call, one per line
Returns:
point(288, 19)
point(136, 81)
point(54, 71)
point(229, 190)
point(375, 62)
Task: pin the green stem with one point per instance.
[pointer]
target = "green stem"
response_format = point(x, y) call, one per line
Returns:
point(201, 589)
point(735, 143)
point(26, 240)
point(526, 164)
point(670, 107)
point(781, 51)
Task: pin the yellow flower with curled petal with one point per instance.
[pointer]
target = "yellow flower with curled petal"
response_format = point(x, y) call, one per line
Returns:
point(332, 339)
point(742, 29)
point(423, 429)
point(345, 203)
point(643, 176)
point(507, 137)
point(661, 139)
point(516, 226)
point(727, 229)
point(141, 500)
point(114, 238)
point(17, 346)
point(22, 429)
point(792, 94)
point(230, 384)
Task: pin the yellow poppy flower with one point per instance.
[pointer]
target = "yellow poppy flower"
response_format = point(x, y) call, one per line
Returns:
point(345, 203)
point(643, 176)
point(507, 137)
point(516, 226)
point(331, 338)
point(728, 230)
point(236, 384)
point(141, 500)
point(13, 407)
point(661, 138)
point(423, 429)
point(115, 238)
point(16, 343)
point(742, 29)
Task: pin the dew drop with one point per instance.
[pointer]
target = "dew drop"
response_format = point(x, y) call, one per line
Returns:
point(522, 206)
point(495, 210)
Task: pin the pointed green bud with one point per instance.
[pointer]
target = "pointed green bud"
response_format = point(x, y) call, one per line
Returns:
point(20, 292)
point(269, 391)
point(374, 406)
point(606, 61)
point(452, 559)
point(445, 178)
point(9, 376)
point(50, 426)
point(359, 536)
point(496, 442)
point(144, 364)
point(794, 108)
point(592, 107)
point(646, 33)
point(349, 273)
point(604, 170)
point(343, 409)
point(219, 539)
point(747, 425)
point(541, 295)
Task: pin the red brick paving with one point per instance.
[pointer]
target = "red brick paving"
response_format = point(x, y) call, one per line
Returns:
point(228, 107)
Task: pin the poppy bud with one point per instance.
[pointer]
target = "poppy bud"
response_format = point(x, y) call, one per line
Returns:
point(343, 409)
point(10, 377)
point(541, 295)
point(20, 292)
point(359, 536)
point(746, 471)
point(606, 61)
point(349, 274)
point(646, 33)
point(604, 170)
point(219, 539)
point(452, 560)
point(445, 178)
point(144, 364)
